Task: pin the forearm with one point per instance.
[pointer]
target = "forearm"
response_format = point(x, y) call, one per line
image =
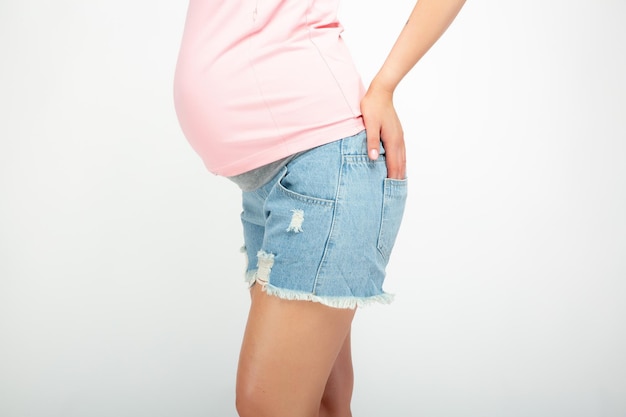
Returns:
point(427, 22)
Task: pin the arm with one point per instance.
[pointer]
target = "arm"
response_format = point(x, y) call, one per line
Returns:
point(427, 22)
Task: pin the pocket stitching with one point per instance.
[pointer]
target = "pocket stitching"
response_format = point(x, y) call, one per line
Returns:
point(301, 197)
point(391, 185)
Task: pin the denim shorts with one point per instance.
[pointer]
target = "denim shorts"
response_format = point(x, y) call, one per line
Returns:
point(323, 228)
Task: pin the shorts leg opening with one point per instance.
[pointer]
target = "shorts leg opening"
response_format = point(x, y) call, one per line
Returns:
point(334, 302)
point(261, 275)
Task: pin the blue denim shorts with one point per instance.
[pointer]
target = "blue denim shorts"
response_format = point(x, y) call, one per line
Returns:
point(323, 228)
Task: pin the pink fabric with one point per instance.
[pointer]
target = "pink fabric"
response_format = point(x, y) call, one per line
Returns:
point(259, 80)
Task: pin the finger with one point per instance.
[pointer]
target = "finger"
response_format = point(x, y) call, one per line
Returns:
point(395, 158)
point(373, 141)
point(393, 164)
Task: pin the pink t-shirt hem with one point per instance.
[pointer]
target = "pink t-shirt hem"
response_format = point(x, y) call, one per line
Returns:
point(319, 137)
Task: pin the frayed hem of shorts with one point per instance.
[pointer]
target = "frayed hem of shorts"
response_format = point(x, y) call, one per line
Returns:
point(335, 302)
point(250, 277)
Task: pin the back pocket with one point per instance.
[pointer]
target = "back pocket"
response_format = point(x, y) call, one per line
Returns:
point(394, 200)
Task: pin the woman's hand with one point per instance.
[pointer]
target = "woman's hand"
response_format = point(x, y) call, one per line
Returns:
point(382, 123)
point(427, 22)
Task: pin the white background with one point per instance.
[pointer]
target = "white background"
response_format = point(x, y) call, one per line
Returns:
point(121, 287)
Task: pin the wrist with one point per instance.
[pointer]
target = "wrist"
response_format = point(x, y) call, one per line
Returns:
point(379, 88)
point(383, 83)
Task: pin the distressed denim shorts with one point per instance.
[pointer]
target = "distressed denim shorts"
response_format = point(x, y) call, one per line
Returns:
point(323, 228)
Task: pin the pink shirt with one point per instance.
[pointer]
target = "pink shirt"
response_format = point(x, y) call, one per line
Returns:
point(258, 80)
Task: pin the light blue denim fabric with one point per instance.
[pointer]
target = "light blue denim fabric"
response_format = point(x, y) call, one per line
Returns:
point(323, 228)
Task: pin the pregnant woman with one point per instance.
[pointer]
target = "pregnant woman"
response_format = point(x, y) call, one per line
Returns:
point(267, 94)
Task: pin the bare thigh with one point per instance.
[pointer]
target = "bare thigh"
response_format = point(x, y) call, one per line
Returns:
point(289, 349)
point(337, 396)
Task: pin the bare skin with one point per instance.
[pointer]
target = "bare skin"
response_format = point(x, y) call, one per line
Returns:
point(338, 391)
point(295, 358)
point(289, 350)
point(427, 22)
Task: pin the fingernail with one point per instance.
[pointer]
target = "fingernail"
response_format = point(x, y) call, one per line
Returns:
point(373, 154)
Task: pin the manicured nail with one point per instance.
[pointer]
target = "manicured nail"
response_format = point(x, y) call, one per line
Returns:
point(373, 154)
